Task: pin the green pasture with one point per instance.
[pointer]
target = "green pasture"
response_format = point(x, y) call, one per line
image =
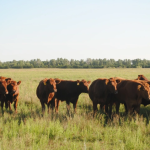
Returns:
point(30, 130)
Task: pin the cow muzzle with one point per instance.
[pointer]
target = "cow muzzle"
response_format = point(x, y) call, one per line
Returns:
point(13, 92)
point(55, 90)
point(7, 92)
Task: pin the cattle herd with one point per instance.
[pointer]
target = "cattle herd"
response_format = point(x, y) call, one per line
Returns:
point(106, 92)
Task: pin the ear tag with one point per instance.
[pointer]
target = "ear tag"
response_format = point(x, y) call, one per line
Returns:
point(44, 83)
point(78, 83)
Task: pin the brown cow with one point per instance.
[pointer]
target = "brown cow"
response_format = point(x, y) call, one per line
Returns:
point(69, 91)
point(131, 93)
point(46, 91)
point(3, 85)
point(113, 97)
point(100, 90)
point(112, 100)
point(116, 102)
point(144, 101)
point(13, 96)
point(141, 77)
point(3, 89)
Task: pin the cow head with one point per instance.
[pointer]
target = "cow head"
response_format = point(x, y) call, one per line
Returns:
point(111, 85)
point(144, 89)
point(3, 85)
point(13, 87)
point(142, 77)
point(83, 85)
point(51, 84)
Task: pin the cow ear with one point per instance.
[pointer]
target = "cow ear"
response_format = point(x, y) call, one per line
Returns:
point(78, 82)
point(51, 81)
point(118, 80)
point(139, 87)
point(111, 79)
point(89, 82)
point(45, 81)
point(83, 80)
point(8, 80)
point(57, 81)
point(106, 82)
point(18, 83)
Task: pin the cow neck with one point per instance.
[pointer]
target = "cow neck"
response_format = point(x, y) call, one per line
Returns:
point(48, 92)
point(107, 89)
point(138, 93)
point(78, 91)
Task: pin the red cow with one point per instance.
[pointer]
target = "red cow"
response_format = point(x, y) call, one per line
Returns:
point(3, 89)
point(13, 96)
point(100, 91)
point(46, 91)
point(131, 93)
point(141, 77)
point(145, 102)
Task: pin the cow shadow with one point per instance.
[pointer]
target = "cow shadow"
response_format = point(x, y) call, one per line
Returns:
point(86, 107)
point(35, 111)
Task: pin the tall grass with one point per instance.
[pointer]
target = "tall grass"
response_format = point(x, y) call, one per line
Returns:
point(29, 129)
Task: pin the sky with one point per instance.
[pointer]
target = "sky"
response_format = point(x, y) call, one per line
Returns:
point(76, 29)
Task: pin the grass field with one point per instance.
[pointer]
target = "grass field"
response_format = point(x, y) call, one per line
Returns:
point(29, 129)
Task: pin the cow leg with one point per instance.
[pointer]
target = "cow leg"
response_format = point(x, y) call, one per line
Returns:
point(117, 108)
point(110, 110)
point(108, 105)
point(48, 107)
point(6, 104)
point(94, 108)
point(57, 102)
point(15, 105)
point(2, 104)
point(9, 105)
point(3, 99)
point(43, 106)
point(126, 109)
point(102, 107)
point(106, 108)
point(137, 109)
point(129, 108)
point(52, 105)
point(75, 105)
point(68, 106)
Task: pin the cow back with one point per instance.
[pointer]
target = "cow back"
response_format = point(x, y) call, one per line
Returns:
point(97, 88)
point(67, 89)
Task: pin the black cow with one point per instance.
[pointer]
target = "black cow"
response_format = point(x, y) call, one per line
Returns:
point(69, 91)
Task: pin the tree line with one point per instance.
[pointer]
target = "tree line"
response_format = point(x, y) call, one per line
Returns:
point(88, 63)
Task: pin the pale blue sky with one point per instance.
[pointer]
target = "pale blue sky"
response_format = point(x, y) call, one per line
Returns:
point(81, 29)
